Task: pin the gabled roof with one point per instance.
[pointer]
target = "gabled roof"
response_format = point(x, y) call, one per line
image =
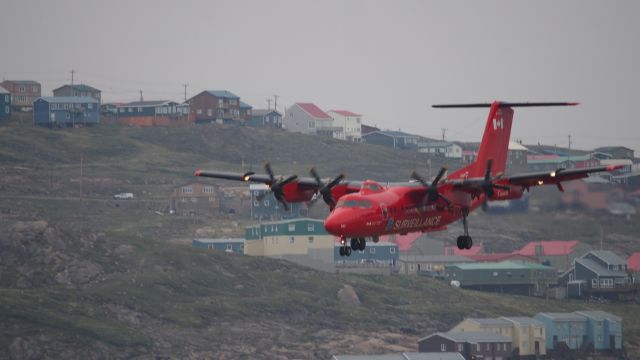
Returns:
point(244, 105)
point(79, 87)
point(549, 248)
point(605, 149)
point(523, 320)
point(633, 262)
point(435, 144)
point(3, 90)
point(515, 146)
point(395, 134)
point(224, 94)
point(607, 256)
point(262, 112)
point(599, 315)
point(489, 321)
point(23, 82)
point(313, 110)
point(345, 112)
point(149, 103)
point(473, 337)
point(68, 99)
point(562, 316)
point(599, 269)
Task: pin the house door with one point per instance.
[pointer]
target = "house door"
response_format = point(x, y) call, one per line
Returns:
point(612, 342)
point(555, 341)
point(537, 348)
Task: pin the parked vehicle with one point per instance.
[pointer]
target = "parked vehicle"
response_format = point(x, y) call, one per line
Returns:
point(123, 196)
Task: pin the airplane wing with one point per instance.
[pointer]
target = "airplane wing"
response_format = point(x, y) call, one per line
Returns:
point(556, 177)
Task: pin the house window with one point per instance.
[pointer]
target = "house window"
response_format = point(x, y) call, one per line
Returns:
point(310, 227)
point(266, 203)
point(292, 227)
point(460, 347)
point(477, 347)
point(186, 189)
point(89, 106)
point(229, 247)
point(209, 112)
point(310, 239)
point(121, 110)
point(208, 189)
point(139, 109)
point(130, 109)
point(256, 203)
point(292, 240)
point(372, 250)
point(199, 111)
point(392, 250)
point(21, 89)
point(594, 282)
point(443, 347)
point(6, 109)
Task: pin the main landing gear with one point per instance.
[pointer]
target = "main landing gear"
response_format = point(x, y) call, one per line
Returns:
point(464, 241)
point(356, 244)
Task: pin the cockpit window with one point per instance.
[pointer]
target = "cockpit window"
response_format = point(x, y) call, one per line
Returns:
point(365, 204)
point(354, 203)
point(373, 187)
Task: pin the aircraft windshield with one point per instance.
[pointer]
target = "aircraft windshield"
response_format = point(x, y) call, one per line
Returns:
point(366, 204)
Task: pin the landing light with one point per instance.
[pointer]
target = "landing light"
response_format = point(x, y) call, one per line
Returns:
point(553, 174)
point(245, 178)
point(540, 182)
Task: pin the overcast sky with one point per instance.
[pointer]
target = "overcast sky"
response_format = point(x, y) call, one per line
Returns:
point(387, 60)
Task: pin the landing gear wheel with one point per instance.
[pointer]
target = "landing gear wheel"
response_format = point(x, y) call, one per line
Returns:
point(460, 242)
point(468, 242)
point(363, 244)
point(347, 251)
point(354, 243)
point(342, 250)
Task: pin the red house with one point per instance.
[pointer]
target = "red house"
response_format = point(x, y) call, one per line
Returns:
point(557, 254)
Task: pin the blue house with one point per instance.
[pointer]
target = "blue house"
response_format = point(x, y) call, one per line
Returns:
point(265, 206)
point(152, 108)
point(227, 245)
point(570, 328)
point(604, 330)
point(375, 253)
point(5, 103)
point(66, 111)
point(265, 118)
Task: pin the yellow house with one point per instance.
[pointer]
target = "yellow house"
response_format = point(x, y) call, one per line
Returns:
point(527, 334)
point(304, 241)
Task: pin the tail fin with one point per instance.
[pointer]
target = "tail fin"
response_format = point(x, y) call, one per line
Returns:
point(495, 140)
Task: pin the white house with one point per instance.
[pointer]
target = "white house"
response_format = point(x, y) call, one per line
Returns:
point(307, 118)
point(350, 122)
point(444, 148)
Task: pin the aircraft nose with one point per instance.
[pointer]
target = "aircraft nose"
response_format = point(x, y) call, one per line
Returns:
point(334, 225)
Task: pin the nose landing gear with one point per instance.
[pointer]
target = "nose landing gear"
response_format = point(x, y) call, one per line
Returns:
point(464, 241)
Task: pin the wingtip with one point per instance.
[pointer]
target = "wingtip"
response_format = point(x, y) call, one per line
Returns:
point(197, 173)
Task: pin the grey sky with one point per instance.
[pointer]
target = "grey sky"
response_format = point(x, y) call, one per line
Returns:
point(388, 60)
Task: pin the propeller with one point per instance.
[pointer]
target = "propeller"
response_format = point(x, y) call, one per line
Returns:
point(276, 186)
point(325, 189)
point(432, 190)
point(488, 186)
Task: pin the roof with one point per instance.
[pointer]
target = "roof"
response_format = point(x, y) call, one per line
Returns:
point(523, 320)
point(489, 321)
point(434, 258)
point(219, 241)
point(345, 112)
point(605, 149)
point(223, 94)
point(79, 87)
point(633, 262)
point(404, 356)
point(3, 90)
point(262, 112)
point(68, 99)
point(244, 105)
point(390, 133)
point(146, 103)
point(607, 256)
point(471, 336)
point(516, 146)
point(555, 159)
point(599, 269)
point(314, 111)
point(289, 221)
point(599, 315)
point(562, 316)
point(435, 144)
point(499, 257)
point(23, 82)
point(476, 249)
point(549, 248)
point(503, 265)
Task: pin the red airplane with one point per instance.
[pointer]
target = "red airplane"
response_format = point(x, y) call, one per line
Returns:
point(366, 209)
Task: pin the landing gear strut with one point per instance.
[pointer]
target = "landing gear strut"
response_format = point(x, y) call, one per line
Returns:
point(464, 241)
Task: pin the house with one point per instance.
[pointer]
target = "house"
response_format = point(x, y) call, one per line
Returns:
point(403, 356)
point(394, 139)
point(219, 106)
point(471, 344)
point(604, 330)
point(442, 148)
point(79, 90)
point(368, 129)
point(516, 155)
point(616, 152)
point(453, 250)
point(303, 241)
point(307, 118)
point(593, 330)
point(265, 118)
point(599, 273)
point(554, 162)
point(633, 262)
point(235, 200)
point(195, 198)
point(350, 122)
point(265, 206)
point(382, 253)
point(66, 111)
point(23, 93)
point(527, 334)
point(153, 113)
point(432, 264)
point(507, 276)
point(235, 246)
point(245, 111)
point(5, 103)
point(557, 254)
point(498, 257)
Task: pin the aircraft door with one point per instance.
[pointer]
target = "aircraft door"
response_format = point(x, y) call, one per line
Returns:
point(385, 212)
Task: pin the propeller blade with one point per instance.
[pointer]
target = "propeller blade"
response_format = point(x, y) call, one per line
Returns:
point(267, 168)
point(439, 176)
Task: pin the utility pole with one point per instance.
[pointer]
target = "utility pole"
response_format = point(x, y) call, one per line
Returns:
point(444, 131)
point(185, 91)
point(269, 104)
point(81, 174)
point(72, 72)
point(141, 98)
point(275, 102)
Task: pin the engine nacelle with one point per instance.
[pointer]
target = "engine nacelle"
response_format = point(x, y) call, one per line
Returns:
point(514, 192)
point(293, 192)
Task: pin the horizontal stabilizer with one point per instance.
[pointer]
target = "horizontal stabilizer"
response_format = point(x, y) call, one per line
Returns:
point(505, 104)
